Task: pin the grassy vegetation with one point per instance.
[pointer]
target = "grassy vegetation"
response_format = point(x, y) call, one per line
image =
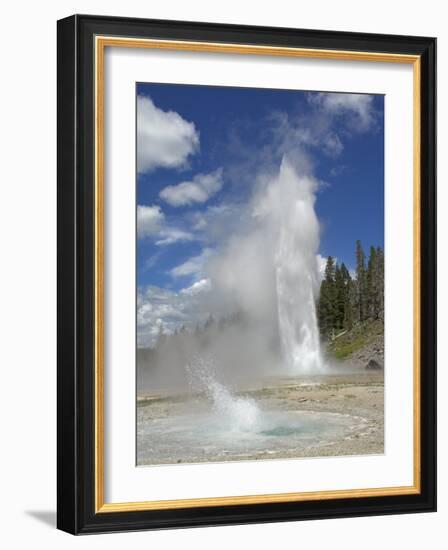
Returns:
point(355, 339)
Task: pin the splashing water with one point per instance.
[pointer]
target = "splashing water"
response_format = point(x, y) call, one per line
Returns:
point(238, 413)
point(289, 211)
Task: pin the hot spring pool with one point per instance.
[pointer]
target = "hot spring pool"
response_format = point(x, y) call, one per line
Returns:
point(250, 434)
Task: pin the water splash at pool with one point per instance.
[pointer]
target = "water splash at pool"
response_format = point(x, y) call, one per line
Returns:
point(236, 412)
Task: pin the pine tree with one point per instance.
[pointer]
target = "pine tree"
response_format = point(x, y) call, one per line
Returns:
point(326, 306)
point(371, 285)
point(380, 282)
point(340, 298)
point(350, 307)
point(347, 317)
point(360, 283)
point(345, 301)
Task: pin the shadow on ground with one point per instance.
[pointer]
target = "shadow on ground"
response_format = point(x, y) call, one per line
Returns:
point(48, 517)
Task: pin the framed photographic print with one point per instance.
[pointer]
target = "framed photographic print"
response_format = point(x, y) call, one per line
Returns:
point(246, 274)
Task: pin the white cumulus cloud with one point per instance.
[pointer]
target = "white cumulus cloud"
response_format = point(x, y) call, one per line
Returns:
point(358, 106)
point(164, 138)
point(171, 235)
point(198, 190)
point(149, 220)
point(196, 288)
point(193, 266)
point(162, 310)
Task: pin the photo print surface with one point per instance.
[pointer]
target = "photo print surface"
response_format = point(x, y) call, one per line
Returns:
point(260, 274)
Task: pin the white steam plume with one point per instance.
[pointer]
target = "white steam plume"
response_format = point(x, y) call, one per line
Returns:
point(270, 270)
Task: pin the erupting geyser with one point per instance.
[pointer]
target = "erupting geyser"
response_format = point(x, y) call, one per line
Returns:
point(287, 208)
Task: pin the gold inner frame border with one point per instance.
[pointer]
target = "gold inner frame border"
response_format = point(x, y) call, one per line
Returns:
point(100, 44)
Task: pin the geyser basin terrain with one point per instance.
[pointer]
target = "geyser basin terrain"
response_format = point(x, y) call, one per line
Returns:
point(325, 416)
point(207, 437)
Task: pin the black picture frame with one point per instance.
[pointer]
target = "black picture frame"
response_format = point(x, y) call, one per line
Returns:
point(76, 286)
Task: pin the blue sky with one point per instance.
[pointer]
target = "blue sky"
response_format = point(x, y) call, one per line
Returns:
point(202, 149)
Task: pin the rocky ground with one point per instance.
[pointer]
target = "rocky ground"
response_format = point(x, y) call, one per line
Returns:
point(358, 346)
